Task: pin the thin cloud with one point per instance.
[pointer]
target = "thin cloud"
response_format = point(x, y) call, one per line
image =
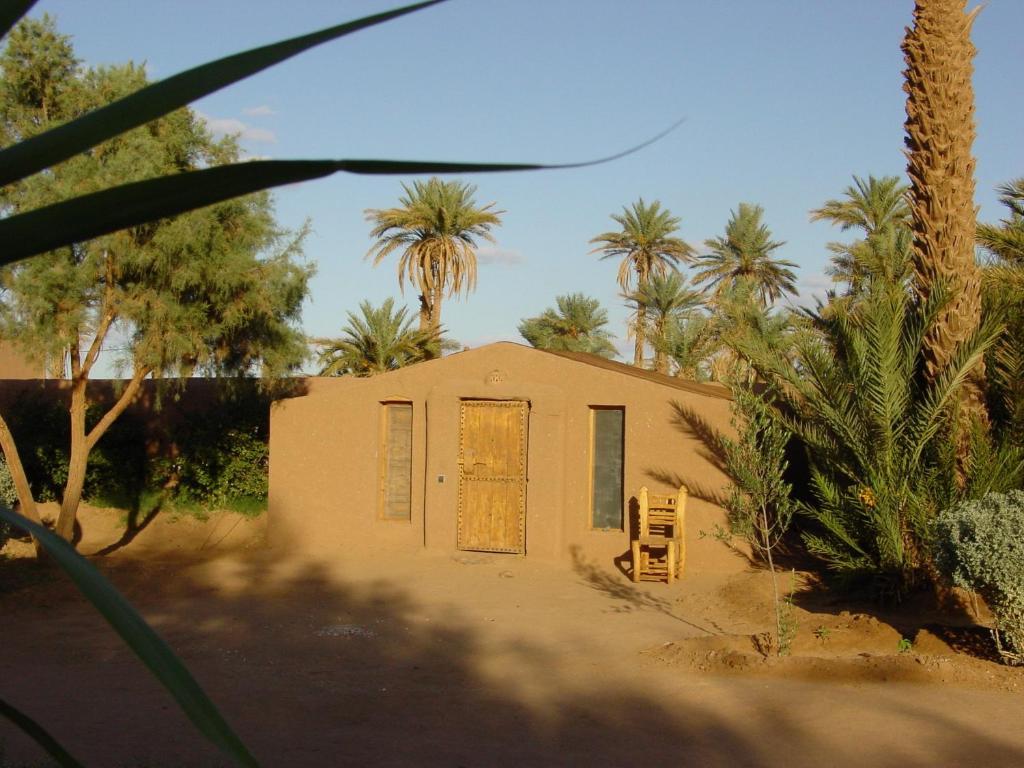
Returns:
point(816, 283)
point(813, 288)
point(261, 111)
point(231, 126)
point(503, 256)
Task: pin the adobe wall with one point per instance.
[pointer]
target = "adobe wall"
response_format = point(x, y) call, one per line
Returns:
point(324, 454)
point(14, 364)
point(162, 401)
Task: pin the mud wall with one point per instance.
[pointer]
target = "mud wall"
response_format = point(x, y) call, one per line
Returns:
point(324, 454)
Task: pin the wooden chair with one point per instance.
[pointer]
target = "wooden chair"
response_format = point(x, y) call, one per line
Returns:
point(659, 548)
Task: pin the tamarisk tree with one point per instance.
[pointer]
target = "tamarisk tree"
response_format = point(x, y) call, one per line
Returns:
point(214, 291)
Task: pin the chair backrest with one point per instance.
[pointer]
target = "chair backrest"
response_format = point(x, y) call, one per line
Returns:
point(662, 515)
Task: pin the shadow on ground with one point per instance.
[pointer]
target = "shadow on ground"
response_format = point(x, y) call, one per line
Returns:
point(625, 593)
point(316, 670)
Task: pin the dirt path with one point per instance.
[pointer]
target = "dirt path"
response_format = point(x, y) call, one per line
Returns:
point(478, 660)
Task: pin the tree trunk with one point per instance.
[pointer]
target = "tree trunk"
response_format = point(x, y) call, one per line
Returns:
point(424, 313)
point(766, 544)
point(939, 136)
point(58, 365)
point(82, 444)
point(76, 465)
point(26, 503)
point(660, 356)
point(435, 309)
point(435, 319)
point(638, 332)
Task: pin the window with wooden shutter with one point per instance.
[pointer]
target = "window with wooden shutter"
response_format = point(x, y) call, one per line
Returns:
point(396, 462)
point(607, 443)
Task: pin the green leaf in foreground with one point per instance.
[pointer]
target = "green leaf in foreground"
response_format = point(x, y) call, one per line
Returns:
point(99, 213)
point(46, 149)
point(39, 734)
point(140, 637)
point(11, 11)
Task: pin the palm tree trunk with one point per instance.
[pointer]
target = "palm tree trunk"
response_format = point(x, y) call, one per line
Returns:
point(424, 313)
point(940, 133)
point(435, 314)
point(660, 356)
point(430, 311)
point(641, 323)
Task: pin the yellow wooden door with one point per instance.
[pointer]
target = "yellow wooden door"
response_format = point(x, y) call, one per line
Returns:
point(492, 475)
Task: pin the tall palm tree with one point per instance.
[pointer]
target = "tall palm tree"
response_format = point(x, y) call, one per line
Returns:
point(939, 136)
point(879, 209)
point(576, 326)
point(381, 340)
point(436, 227)
point(744, 255)
point(665, 300)
point(647, 248)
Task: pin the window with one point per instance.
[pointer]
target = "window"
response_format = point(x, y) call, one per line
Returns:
point(396, 462)
point(607, 431)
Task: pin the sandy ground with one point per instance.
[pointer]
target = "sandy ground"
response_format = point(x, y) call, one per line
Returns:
point(466, 659)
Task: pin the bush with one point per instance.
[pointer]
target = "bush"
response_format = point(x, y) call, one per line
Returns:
point(222, 459)
point(221, 466)
point(8, 495)
point(211, 457)
point(980, 546)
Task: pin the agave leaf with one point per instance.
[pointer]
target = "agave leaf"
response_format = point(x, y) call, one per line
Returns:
point(109, 210)
point(39, 735)
point(11, 11)
point(140, 637)
point(46, 149)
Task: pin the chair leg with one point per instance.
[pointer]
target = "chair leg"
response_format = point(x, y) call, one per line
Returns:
point(635, 549)
point(671, 561)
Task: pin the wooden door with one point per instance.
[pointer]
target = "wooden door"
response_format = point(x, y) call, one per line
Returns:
point(492, 475)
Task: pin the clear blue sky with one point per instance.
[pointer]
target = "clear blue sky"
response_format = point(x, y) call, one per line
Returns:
point(783, 100)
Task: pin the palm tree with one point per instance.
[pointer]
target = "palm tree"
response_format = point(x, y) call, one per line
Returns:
point(665, 300)
point(744, 255)
point(939, 136)
point(875, 431)
point(870, 206)
point(1003, 293)
point(879, 209)
point(647, 248)
point(381, 340)
point(435, 226)
point(1005, 240)
point(692, 342)
point(576, 326)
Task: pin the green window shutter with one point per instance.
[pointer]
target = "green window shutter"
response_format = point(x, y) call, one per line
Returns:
point(607, 446)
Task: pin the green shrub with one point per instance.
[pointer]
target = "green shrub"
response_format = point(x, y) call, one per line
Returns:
point(220, 468)
point(980, 546)
point(211, 458)
point(221, 459)
point(8, 496)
